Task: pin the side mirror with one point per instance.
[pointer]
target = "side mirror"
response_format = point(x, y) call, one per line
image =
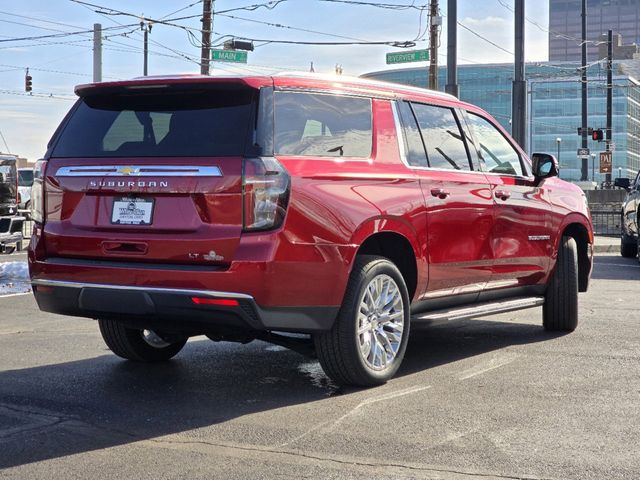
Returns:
point(544, 166)
point(622, 183)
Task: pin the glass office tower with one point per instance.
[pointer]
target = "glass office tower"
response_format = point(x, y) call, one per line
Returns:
point(565, 26)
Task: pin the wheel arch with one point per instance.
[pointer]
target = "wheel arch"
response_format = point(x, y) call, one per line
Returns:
point(396, 241)
point(583, 235)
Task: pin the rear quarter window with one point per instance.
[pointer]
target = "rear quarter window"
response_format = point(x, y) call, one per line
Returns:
point(322, 125)
point(172, 124)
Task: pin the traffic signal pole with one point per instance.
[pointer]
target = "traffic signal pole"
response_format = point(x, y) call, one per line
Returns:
point(609, 95)
point(584, 176)
point(519, 95)
point(452, 48)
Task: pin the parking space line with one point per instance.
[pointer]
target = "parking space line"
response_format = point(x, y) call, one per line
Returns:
point(616, 265)
point(14, 294)
point(493, 364)
point(330, 425)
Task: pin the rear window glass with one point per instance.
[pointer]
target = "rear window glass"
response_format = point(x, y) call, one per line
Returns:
point(171, 124)
point(321, 125)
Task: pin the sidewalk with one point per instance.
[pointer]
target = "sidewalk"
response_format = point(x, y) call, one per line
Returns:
point(607, 244)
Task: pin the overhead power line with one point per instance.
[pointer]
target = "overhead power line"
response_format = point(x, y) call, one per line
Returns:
point(483, 38)
point(58, 35)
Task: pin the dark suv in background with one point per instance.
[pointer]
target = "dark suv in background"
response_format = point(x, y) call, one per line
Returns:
point(630, 217)
point(341, 209)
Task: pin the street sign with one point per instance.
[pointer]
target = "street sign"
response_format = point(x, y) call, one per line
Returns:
point(605, 162)
point(234, 56)
point(583, 152)
point(405, 57)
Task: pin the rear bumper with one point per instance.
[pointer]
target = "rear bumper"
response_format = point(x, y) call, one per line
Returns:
point(173, 308)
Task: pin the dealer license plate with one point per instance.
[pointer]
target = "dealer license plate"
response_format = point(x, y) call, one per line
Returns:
point(132, 211)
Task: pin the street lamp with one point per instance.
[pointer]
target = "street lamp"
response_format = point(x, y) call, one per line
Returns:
point(558, 142)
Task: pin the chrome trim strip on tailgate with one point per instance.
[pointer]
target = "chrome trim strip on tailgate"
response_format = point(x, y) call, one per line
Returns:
point(138, 171)
point(175, 291)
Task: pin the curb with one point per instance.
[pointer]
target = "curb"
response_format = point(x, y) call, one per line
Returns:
point(606, 248)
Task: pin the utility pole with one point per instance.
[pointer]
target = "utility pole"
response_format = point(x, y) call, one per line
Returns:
point(609, 97)
point(452, 48)
point(433, 48)
point(585, 162)
point(519, 95)
point(146, 27)
point(97, 52)
point(207, 25)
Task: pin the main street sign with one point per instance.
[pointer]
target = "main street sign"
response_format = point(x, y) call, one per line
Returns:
point(234, 56)
point(405, 57)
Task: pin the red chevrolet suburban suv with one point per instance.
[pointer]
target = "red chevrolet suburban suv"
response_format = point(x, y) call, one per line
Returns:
point(341, 209)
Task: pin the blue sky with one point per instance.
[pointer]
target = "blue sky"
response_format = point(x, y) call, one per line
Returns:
point(57, 64)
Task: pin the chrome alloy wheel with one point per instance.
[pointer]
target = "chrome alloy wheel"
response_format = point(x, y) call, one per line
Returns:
point(380, 322)
point(153, 339)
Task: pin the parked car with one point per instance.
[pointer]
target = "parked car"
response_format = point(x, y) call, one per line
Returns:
point(10, 221)
point(25, 181)
point(340, 208)
point(629, 238)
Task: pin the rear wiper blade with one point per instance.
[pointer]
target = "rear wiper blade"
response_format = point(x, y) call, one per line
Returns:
point(337, 149)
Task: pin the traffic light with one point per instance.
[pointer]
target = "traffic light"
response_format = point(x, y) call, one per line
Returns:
point(238, 45)
point(597, 135)
point(27, 82)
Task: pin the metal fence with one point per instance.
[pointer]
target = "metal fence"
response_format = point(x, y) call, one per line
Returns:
point(606, 222)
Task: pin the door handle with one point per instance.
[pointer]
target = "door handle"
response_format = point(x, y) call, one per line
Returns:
point(502, 194)
point(441, 193)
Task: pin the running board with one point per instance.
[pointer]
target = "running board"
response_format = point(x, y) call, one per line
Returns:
point(480, 309)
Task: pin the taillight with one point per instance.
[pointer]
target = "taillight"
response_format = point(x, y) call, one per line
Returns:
point(37, 191)
point(265, 184)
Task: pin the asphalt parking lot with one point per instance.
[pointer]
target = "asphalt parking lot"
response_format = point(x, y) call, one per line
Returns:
point(495, 397)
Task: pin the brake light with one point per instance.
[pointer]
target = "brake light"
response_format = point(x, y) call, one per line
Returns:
point(265, 186)
point(37, 191)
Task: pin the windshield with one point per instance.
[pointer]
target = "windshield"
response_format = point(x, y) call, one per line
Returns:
point(199, 123)
point(25, 178)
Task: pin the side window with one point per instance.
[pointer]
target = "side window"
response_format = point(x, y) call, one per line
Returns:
point(442, 137)
point(310, 124)
point(495, 151)
point(416, 155)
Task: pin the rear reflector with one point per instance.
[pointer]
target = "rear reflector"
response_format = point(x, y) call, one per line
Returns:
point(221, 302)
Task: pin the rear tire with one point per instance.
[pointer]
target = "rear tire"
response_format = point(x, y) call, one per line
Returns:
point(368, 340)
point(560, 309)
point(136, 344)
point(628, 246)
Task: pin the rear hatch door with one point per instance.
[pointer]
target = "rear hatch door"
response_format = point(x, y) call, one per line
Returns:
point(150, 174)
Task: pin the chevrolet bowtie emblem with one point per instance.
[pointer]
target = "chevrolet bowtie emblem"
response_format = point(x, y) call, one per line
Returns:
point(127, 170)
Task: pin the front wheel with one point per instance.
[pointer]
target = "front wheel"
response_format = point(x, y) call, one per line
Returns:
point(560, 309)
point(137, 344)
point(368, 340)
